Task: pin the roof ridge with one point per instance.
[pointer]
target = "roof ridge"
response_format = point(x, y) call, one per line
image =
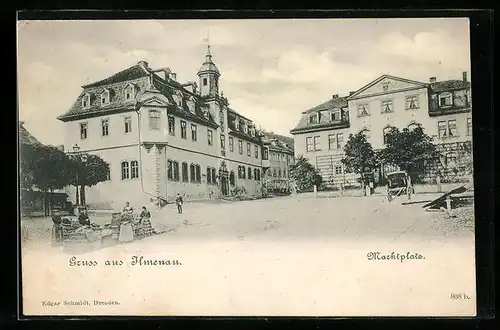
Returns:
point(102, 81)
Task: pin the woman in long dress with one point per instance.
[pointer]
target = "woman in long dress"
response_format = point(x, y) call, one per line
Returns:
point(126, 230)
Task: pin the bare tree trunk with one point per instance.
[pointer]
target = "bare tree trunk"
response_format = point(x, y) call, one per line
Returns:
point(82, 195)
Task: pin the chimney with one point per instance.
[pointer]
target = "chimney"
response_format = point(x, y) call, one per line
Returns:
point(143, 63)
point(464, 76)
point(432, 79)
point(335, 96)
point(173, 76)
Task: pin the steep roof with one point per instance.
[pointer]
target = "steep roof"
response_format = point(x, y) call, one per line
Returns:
point(270, 136)
point(333, 103)
point(449, 85)
point(25, 137)
point(135, 72)
point(337, 102)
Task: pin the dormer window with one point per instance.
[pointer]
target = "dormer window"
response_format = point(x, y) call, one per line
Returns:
point(237, 124)
point(178, 98)
point(86, 101)
point(245, 128)
point(105, 97)
point(130, 92)
point(191, 105)
point(252, 131)
point(335, 115)
point(445, 100)
point(314, 118)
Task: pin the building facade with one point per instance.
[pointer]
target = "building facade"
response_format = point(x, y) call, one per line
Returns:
point(442, 109)
point(277, 161)
point(162, 137)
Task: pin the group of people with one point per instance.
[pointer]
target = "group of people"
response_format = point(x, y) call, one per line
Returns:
point(142, 228)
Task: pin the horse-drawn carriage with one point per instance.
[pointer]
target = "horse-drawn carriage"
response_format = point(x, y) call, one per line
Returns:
point(398, 183)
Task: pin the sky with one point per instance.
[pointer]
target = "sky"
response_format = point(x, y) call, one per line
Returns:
point(271, 70)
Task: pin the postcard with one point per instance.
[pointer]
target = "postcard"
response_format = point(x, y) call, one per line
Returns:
point(246, 167)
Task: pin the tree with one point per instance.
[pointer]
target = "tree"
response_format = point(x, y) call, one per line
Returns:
point(89, 173)
point(45, 167)
point(359, 155)
point(408, 149)
point(305, 174)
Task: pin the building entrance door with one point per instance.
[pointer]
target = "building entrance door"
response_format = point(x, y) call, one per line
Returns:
point(223, 186)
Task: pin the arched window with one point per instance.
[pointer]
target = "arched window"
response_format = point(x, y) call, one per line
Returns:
point(209, 176)
point(274, 172)
point(198, 173)
point(249, 173)
point(125, 171)
point(185, 174)
point(134, 166)
point(129, 92)
point(243, 172)
point(385, 132)
point(176, 171)
point(105, 97)
point(192, 170)
point(258, 174)
point(231, 178)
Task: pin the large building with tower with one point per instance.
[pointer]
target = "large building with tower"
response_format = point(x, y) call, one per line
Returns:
point(162, 137)
point(442, 108)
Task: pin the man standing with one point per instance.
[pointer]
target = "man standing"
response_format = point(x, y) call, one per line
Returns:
point(179, 201)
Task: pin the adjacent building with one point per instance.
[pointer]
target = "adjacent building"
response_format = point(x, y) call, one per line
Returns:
point(162, 137)
point(441, 108)
point(277, 161)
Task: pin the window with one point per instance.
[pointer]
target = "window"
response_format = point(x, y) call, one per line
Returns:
point(86, 101)
point(284, 172)
point(105, 97)
point(386, 106)
point(265, 154)
point(313, 118)
point(242, 172)
point(209, 176)
point(154, 119)
point(129, 92)
point(309, 144)
point(194, 132)
point(176, 171)
point(237, 124)
point(105, 127)
point(451, 159)
point(340, 140)
point(170, 170)
point(452, 128)
point(231, 144)
point(385, 132)
point(445, 100)
point(108, 174)
point(249, 173)
point(258, 174)
point(205, 81)
point(240, 146)
point(274, 172)
point(363, 110)
point(83, 131)
point(255, 174)
point(442, 130)
point(335, 115)
point(222, 141)
point(192, 170)
point(171, 125)
point(128, 124)
point(469, 126)
point(185, 174)
point(183, 129)
point(214, 176)
point(279, 172)
point(249, 151)
point(412, 126)
point(232, 180)
point(245, 128)
point(125, 171)
point(210, 137)
point(412, 102)
point(134, 167)
point(316, 143)
point(256, 151)
point(198, 173)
